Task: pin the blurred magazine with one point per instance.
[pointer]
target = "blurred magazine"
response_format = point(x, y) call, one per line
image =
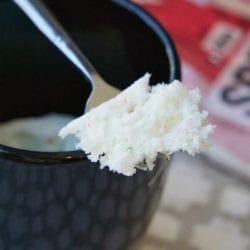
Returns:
point(213, 40)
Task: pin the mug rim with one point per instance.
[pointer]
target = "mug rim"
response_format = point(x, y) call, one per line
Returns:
point(37, 157)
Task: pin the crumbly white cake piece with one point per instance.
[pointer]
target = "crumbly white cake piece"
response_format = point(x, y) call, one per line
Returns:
point(141, 122)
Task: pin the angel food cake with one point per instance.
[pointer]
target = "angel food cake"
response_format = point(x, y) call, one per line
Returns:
point(139, 123)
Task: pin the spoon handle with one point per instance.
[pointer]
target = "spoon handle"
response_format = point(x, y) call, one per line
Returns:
point(50, 27)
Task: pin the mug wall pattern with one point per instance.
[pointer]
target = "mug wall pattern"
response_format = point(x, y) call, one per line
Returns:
point(74, 206)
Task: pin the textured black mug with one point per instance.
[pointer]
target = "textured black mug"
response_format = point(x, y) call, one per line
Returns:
point(60, 200)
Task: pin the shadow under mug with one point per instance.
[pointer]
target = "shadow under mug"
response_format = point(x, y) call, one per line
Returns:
point(60, 200)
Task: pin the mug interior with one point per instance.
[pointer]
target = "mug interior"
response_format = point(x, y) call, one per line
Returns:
point(36, 79)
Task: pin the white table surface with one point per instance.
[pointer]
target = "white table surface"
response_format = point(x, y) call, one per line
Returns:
point(202, 208)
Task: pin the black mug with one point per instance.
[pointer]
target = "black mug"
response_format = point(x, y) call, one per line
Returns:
point(60, 200)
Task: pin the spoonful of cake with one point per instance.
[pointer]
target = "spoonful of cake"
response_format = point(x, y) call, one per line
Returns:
point(44, 20)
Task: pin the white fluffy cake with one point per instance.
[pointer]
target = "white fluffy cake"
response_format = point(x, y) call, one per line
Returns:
point(139, 123)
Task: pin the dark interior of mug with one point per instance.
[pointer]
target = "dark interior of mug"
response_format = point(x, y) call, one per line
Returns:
point(35, 78)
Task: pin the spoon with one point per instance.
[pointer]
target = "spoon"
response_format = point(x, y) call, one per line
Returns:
point(51, 28)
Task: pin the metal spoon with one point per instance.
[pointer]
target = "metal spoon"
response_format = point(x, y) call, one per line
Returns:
point(50, 27)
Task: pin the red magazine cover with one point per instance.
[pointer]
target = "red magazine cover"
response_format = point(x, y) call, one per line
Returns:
point(213, 40)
